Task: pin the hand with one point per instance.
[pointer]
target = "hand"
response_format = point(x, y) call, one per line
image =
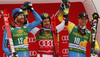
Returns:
point(14, 55)
point(65, 4)
point(24, 6)
point(27, 6)
point(93, 55)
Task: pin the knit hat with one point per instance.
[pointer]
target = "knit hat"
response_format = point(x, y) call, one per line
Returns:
point(16, 12)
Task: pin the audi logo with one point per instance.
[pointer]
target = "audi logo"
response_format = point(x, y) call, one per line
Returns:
point(3, 27)
point(4, 55)
point(65, 37)
point(46, 43)
point(32, 39)
point(33, 53)
point(65, 51)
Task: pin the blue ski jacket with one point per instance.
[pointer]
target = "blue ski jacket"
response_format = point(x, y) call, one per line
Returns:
point(30, 27)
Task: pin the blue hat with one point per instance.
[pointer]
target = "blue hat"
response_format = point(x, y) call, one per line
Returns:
point(16, 12)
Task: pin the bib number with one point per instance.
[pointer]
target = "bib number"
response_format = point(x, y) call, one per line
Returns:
point(20, 40)
point(77, 40)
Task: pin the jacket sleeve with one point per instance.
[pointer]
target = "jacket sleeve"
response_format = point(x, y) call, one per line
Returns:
point(63, 17)
point(61, 26)
point(5, 44)
point(35, 23)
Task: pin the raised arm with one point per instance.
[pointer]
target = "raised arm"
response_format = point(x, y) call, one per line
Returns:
point(63, 15)
point(35, 23)
point(61, 26)
point(28, 6)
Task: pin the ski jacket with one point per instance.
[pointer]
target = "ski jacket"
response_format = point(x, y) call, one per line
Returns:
point(45, 40)
point(78, 42)
point(21, 35)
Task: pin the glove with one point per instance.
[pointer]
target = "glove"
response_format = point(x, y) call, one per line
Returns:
point(14, 55)
point(65, 4)
point(27, 6)
point(93, 55)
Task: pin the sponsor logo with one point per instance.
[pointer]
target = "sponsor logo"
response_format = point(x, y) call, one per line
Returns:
point(33, 53)
point(20, 31)
point(46, 43)
point(65, 38)
point(21, 10)
point(32, 39)
point(4, 55)
point(3, 27)
point(65, 51)
point(45, 15)
point(65, 55)
point(24, 26)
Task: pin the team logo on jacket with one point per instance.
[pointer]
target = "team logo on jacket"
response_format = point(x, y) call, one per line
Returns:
point(20, 31)
point(24, 26)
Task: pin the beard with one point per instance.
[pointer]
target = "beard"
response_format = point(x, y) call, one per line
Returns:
point(21, 20)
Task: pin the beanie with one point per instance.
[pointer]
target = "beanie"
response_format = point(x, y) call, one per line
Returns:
point(16, 12)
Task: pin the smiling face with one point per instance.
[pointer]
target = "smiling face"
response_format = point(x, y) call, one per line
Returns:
point(20, 19)
point(46, 23)
point(83, 21)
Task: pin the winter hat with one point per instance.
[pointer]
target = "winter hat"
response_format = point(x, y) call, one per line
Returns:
point(44, 16)
point(83, 15)
point(16, 12)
